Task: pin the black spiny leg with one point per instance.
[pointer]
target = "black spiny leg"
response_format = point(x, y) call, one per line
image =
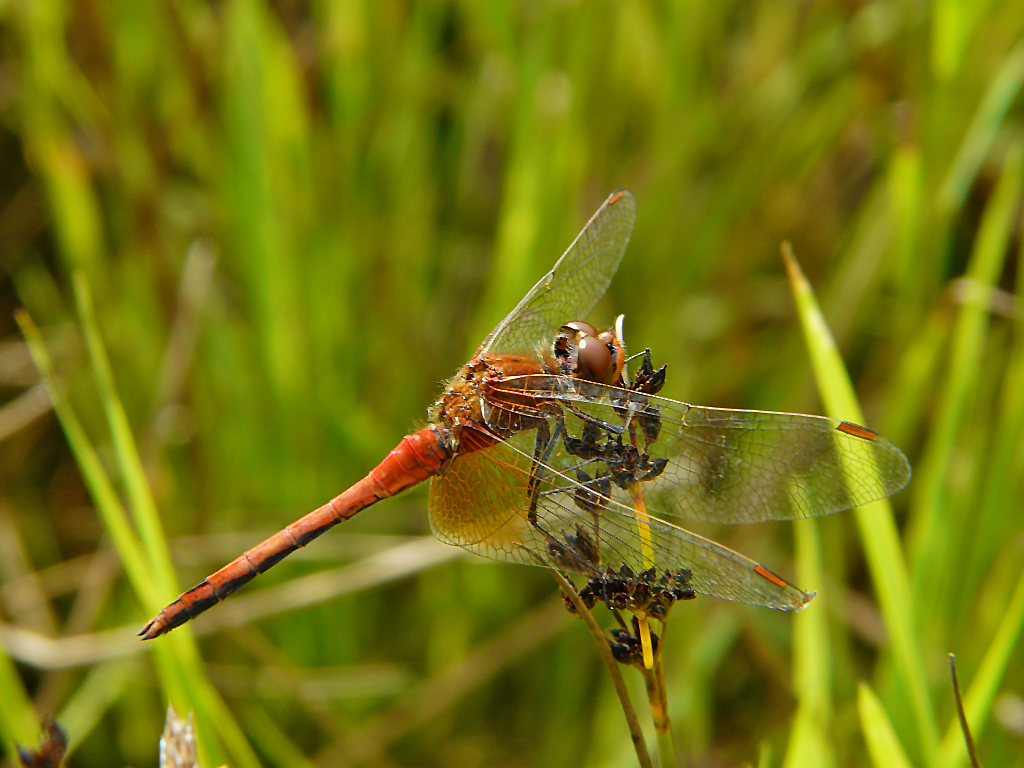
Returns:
point(541, 452)
point(576, 552)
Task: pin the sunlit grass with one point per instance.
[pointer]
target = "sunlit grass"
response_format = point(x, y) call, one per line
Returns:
point(883, 744)
point(181, 669)
point(18, 717)
point(876, 524)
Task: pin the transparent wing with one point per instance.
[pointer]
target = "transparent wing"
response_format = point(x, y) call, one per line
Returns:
point(729, 466)
point(573, 286)
point(483, 503)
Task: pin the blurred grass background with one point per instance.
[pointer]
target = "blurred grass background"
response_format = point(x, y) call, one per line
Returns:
point(295, 219)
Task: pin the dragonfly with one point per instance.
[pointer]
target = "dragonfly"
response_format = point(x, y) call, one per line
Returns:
point(543, 450)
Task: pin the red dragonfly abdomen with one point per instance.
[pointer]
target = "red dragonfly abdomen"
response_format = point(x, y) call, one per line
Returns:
point(418, 457)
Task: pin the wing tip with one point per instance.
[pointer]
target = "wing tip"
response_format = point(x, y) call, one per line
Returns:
point(795, 606)
point(795, 602)
point(617, 195)
point(807, 597)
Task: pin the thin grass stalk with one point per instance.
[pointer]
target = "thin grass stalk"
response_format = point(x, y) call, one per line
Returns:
point(652, 669)
point(635, 732)
point(657, 697)
point(965, 728)
point(987, 680)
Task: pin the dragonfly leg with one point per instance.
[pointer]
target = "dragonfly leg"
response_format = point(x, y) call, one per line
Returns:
point(618, 617)
point(578, 553)
point(541, 453)
point(586, 418)
point(592, 495)
point(541, 450)
point(581, 550)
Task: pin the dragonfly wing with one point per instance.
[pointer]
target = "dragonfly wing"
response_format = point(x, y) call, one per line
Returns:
point(731, 466)
point(483, 503)
point(574, 285)
point(746, 466)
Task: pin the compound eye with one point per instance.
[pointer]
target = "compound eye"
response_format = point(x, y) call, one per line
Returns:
point(593, 359)
point(586, 329)
point(618, 353)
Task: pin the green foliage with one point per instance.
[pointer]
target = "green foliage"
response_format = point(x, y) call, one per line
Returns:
point(295, 219)
point(883, 744)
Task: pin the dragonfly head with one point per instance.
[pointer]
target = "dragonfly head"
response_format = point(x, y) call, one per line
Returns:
point(588, 353)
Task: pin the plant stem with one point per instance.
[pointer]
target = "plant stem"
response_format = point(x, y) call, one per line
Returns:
point(635, 733)
point(654, 679)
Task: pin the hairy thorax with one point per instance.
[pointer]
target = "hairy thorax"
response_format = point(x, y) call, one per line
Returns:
point(477, 395)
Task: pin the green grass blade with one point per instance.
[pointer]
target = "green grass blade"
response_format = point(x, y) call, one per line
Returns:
point(809, 741)
point(936, 530)
point(905, 197)
point(101, 688)
point(178, 661)
point(1001, 481)
point(19, 723)
point(883, 744)
point(141, 503)
point(108, 505)
point(878, 532)
point(273, 741)
point(984, 128)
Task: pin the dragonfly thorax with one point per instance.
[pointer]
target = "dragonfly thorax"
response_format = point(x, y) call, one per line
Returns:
point(464, 407)
point(470, 402)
